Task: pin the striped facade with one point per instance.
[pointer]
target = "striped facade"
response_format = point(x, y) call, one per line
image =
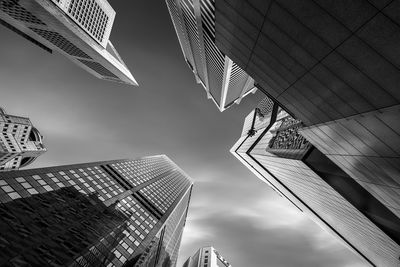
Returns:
point(224, 81)
point(206, 257)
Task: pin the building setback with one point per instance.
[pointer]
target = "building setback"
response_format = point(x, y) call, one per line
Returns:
point(20, 142)
point(224, 81)
point(206, 257)
point(112, 213)
point(274, 150)
point(334, 66)
point(78, 29)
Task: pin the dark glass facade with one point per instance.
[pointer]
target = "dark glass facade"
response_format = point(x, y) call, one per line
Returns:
point(95, 214)
point(332, 66)
point(339, 79)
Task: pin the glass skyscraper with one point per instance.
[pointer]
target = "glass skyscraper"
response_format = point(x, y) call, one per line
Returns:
point(112, 213)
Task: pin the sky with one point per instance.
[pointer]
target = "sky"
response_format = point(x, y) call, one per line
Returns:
point(84, 119)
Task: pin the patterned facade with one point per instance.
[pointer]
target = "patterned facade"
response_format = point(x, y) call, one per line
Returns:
point(224, 81)
point(94, 214)
point(78, 29)
point(20, 142)
point(206, 257)
point(280, 156)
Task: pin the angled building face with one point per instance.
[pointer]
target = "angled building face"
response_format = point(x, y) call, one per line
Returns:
point(339, 79)
point(78, 29)
point(20, 142)
point(206, 257)
point(224, 81)
point(113, 213)
point(272, 147)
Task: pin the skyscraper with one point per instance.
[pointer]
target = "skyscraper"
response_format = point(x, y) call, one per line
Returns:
point(112, 213)
point(274, 150)
point(20, 142)
point(224, 81)
point(332, 65)
point(206, 257)
point(78, 29)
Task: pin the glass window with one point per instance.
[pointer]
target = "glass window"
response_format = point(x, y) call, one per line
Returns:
point(26, 185)
point(32, 191)
point(7, 188)
point(14, 195)
point(117, 253)
point(48, 188)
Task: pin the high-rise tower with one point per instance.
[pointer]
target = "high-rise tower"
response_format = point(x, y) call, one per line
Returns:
point(224, 81)
point(78, 29)
point(20, 142)
point(272, 147)
point(113, 213)
point(206, 257)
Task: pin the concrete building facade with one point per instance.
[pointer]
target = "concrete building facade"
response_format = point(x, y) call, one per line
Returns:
point(20, 142)
point(112, 213)
point(77, 29)
point(206, 257)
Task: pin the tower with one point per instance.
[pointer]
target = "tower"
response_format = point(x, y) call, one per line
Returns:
point(78, 29)
point(20, 142)
point(206, 257)
point(112, 213)
point(224, 81)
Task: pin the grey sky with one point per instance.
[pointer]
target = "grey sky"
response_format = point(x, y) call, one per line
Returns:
point(84, 119)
